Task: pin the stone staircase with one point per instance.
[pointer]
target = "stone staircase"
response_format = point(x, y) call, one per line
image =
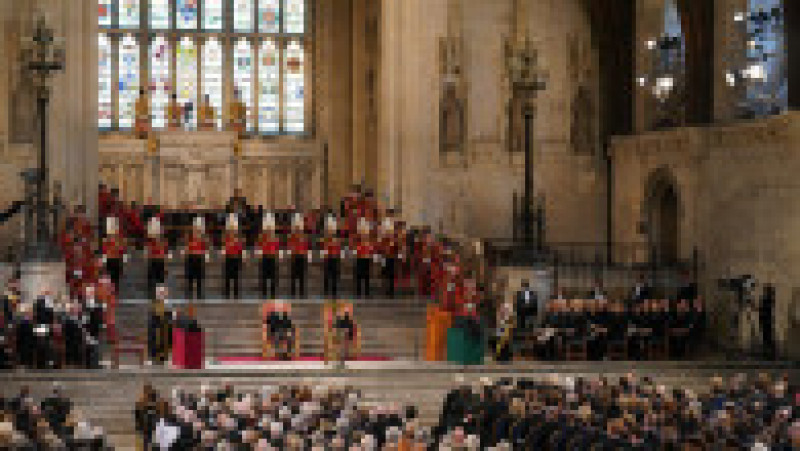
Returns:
point(391, 328)
point(107, 398)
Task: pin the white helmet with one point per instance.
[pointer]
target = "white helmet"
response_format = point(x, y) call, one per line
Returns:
point(388, 225)
point(268, 221)
point(233, 222)
point(154, 227)
point(112, 225)
point(331, 224)
point(363, 225)
point(199, 223)
point(297, 221)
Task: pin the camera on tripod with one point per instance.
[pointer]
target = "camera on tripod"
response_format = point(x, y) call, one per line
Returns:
point(740, 284)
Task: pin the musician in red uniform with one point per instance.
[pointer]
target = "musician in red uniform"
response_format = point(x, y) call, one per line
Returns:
point(268, 247)
point(196, 256)
point(365, 251)
point(332, 255)
point(233, 251)
point(157, 253)
point(389, 250)
point(299, 249)
point(113, 250)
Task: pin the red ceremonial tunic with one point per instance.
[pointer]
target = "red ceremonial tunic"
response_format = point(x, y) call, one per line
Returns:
point(298, 244)
point(332, 247)
point(157, 248)
point(389, 247)
point(233, 245)
point(197, 245)
point(112, 247)
point(364, 248)
point(270, 245)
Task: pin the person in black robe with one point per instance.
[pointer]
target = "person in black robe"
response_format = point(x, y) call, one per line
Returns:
point(765, 315)
point(159, 331)
point(25, 340)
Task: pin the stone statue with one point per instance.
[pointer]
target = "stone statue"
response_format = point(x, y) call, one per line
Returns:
point(582, 130)
point(206, 115)
point(142, 109)
point(237, 114)
point(174, 113)
point(452, 121)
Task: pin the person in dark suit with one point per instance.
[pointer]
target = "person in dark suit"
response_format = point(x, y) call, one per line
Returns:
point(527, 308)
point(641, 292)
point(765, 316)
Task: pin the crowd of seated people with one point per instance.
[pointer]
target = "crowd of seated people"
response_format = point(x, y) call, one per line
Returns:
point(50, 333)
point(276, 418)
point(596, 328)
point(47, 425)
point(631, 413)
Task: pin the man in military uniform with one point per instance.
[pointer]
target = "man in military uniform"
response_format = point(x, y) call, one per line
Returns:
point(159, 328)
point(268, 247)
point(331, 253)
point(233, 252)
point(364, 252)
point(157, 253)
point(113, 251)
point(299, 248)
point(196, 256)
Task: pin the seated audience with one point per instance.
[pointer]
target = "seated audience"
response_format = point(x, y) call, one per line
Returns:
point(600, 414)
point(48, 425)
point(277, 418)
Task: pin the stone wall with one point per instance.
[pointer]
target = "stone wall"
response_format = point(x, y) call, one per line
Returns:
point(737, 190)
point(471, 193)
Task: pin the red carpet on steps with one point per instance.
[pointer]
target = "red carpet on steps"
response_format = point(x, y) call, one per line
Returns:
point(244, 360)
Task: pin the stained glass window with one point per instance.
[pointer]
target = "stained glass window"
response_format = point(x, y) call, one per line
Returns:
point(159, 14)
point(766, 68)
point(243, 15)
point(186, 14)
point(243, 75)
point(128, 80)
point(294, 88)
point(105, 13)
point(269, 97)
point(129, 14)
point(105, 115)
point(160, 80)
point(269, 16)
point(212, 76)
point(295, 16)
point(261, 56)
point(212, 14)
point(187, 80)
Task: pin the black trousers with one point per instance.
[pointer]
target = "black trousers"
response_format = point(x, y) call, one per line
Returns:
point(331, 278)
point(195, 271)
point(767, 335)
point(268, 272)
point(388, 275)
point(156, 275)
point(299, 274)
point(233, 267)
point(114, 268)
point(362, 276)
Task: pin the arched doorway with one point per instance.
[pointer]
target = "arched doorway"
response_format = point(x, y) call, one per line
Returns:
point(662, 207)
